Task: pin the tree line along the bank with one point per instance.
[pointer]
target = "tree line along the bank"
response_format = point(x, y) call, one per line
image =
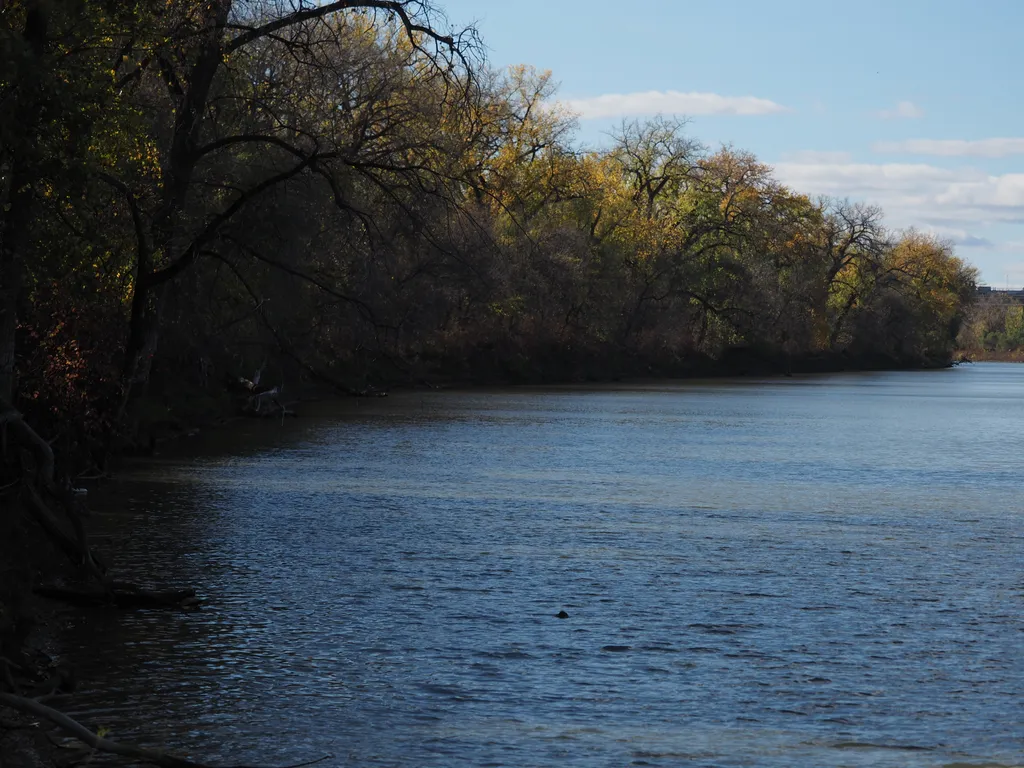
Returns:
point(347, 190)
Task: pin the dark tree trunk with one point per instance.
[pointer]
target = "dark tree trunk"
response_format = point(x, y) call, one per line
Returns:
point(150, 285)
point(13, 238)
point(16, 202)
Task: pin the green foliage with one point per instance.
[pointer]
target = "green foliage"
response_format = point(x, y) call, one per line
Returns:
point(994, 326)
point(1014, 325)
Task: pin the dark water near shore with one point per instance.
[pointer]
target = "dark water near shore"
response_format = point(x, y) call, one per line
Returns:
point(790, 572)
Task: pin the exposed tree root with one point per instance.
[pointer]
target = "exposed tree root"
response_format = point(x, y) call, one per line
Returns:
point(75, 546)
point(80, 732)
point(59, 511)
point(47, 502)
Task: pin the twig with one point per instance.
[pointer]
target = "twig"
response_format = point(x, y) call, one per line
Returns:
point(80, 732)
point(94, 476)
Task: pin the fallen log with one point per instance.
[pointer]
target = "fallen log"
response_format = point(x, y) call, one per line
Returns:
point(101, 744)
point(119, 596)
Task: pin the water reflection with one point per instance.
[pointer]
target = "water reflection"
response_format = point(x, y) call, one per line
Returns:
point(806, 571)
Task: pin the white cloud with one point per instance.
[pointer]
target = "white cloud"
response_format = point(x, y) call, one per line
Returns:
point(915, 194)
point(998, 192)
point(905, 110)
point(997, 147)
point(671, 102)
point(859, 179)
point(979, 212)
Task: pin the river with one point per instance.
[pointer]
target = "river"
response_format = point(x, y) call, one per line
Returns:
point(806, 571)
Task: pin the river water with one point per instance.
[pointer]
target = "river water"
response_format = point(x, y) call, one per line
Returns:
point(808, 571)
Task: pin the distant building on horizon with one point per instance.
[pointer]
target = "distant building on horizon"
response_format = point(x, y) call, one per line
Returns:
point(988, 290)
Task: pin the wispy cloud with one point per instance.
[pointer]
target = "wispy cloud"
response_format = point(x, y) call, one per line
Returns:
point(1012, 272)
point(671, 102)
point(973, 241)
point(961, 237)
point(866, 179)
point(817, 156)
point(905, 110)
point(996, 147)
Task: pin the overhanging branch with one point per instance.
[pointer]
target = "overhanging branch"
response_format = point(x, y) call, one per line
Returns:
point(397, 7)
point(192, 252)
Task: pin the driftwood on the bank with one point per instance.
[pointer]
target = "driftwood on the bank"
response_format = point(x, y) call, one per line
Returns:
point(68, 725)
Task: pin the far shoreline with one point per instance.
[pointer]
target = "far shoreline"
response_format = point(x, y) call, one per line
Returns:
point(991, 357)
point(737, 364)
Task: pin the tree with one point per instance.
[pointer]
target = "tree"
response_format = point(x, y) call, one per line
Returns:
point(186, 62)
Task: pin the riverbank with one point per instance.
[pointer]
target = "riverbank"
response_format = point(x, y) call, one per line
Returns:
point(27, 638)
point(24, 745)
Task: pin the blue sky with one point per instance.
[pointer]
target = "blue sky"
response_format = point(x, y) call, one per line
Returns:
point(913, 105)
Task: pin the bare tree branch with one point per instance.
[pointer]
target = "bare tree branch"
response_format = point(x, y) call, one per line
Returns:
point(191, 253)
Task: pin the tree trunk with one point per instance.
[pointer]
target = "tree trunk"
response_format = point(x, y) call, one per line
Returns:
point(16, 201)
point(13, 233)
point(143, 337)
point(150, 290)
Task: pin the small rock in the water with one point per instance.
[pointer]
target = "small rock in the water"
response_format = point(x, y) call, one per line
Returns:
point(562, 615)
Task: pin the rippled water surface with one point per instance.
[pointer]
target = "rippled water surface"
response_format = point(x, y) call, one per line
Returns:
point(787, 572)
